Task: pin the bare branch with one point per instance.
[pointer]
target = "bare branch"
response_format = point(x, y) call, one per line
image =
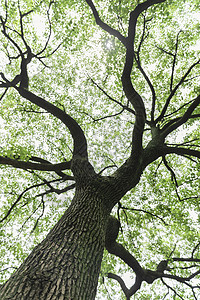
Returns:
point(177, 110)
point(4, 31)
point(172, 289)
point(48, 55)
point(186, 259)
point(25, 57)
point(42, 213)
point(29, 217)
point(181, 279)
point(108, 167)
point(58, 191)
point(106, 117)
point(22, 15)
point(3, 94)
point(50, 30)
point(164, 51)
point(173, 121)
point(2, 270)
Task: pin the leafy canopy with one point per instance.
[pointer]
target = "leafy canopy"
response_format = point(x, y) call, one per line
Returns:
point(77, 66)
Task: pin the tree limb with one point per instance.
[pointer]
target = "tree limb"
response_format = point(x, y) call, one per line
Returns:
point(119, 250)
point(120, 281)
point(145, 274)
point(125, 107)
point(137, 58)
point(80, 142)
point(130, 92)
point(146, 212)
point(128, 292)
point(180, 121)
point(59, 173)
point(174, 61)
point(33, 166)
point(162, 114)
point(181, 151)
point(105, 26)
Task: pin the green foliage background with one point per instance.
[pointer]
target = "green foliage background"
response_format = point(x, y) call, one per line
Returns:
point(85, 52)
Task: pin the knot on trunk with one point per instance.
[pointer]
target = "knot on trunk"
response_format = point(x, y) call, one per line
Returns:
point(112, 231)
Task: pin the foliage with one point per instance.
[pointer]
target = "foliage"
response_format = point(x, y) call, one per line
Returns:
point(77, 66)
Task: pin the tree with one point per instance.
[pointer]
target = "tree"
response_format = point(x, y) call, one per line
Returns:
point(121, 77)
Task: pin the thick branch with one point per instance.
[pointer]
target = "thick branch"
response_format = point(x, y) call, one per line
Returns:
point(127, 292)
point(141, 274)
point(44, 161)
point(80, 143)
point(33, 166)
point(134, 16)
point(131, 32)
point(105, 26)
point(181, 151)
point(129, 90)
point(184, 118)
point(186, 259)
point(119, 250)
point(137, 102)
point(120, 281)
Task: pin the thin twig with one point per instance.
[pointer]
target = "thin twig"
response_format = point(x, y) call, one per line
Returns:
point(146, 212)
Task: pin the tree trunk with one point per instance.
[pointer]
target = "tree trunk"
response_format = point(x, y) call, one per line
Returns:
point(66, 264)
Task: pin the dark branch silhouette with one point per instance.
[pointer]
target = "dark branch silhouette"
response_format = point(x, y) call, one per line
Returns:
point(147, 275)
point(174, 91)
point(33, 166)
point(105, 26)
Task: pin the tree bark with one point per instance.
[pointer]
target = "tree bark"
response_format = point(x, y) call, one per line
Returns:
point(66, 264)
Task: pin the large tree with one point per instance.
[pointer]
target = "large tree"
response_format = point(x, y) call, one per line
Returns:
point(99, 104)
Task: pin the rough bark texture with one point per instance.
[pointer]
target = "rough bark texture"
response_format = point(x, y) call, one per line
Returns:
point(66, 264)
